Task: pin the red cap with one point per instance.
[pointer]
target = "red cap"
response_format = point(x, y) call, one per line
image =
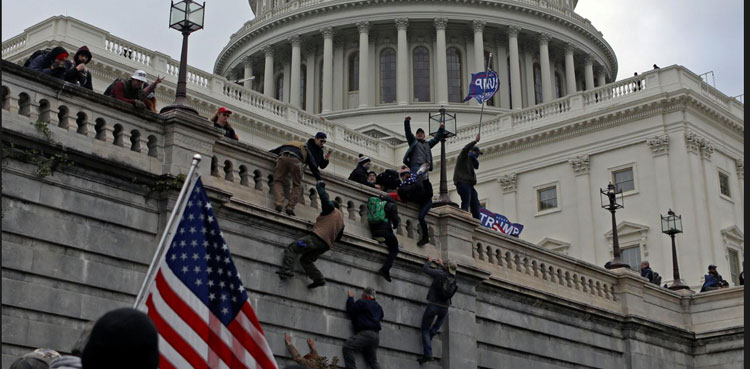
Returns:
point(223, 110)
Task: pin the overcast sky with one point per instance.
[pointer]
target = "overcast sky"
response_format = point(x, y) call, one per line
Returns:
point(702, 35)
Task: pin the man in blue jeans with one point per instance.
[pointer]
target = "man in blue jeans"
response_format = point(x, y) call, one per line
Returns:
point(437, 306)
point(465, 178)
point(366, 315)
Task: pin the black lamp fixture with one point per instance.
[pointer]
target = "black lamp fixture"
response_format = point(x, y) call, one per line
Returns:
point(671, 224)
point(187, 17)
point(609, 201)
point(435, 119)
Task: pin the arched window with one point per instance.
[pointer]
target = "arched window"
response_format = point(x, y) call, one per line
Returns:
point(455, 90)
point(537, 83)
point(280, 87)
point(303, 87)
point(388, 76)
point(354, 72)
point(558, 92)
point(421, 73)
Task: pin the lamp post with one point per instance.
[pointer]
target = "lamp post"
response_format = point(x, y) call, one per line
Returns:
point(450, 128)
point(671, 224)
point(612, 205)
point(187, 17)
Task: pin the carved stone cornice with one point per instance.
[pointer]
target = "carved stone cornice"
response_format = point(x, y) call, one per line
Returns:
point(478, 25)
point(295, 40)
point(327, 32)
point(363, 26)
point(401, 23)
point(543, 38)
point(740, 165)
point(513, 31)
point(659, 145)
point(440, 23)
point(707, 149)
point(508, 182)
point(580, 164)
point(699, 145)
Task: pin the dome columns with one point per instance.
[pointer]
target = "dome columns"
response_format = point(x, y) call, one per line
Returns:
point(364, 63)
point(441, 62)
point(327, 103)
point(544, 64)
point(570, 71)
point(294, 92)
point(402, 62)
point(588, 72)
point(268, 71)
point(515, 67)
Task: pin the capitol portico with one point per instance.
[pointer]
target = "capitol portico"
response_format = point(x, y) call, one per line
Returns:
point(361, 60)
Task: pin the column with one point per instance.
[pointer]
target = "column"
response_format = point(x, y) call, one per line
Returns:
point(502, 98)
point(528, 61)
point(740, 167)
point(589, 72)
point(364, 63)
point(544, 64)
point(294, 84)
point(601, 78)
point(659, 146)
point(402, 63)
point(479, 62)
point(441, 62)
point(268, 73)
point(515, 67)
point(586, 235)
point(310, 82)
point(570, 69)
point(248, 83)
point(327, 69)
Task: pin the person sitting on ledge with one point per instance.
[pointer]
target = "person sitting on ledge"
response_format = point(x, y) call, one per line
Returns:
point(221, 120)
point(51, 62)
point(131, 90)
point(713, 280)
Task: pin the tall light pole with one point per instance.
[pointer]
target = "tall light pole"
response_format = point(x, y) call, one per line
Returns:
point(671, 224)
point(450, 128)
point(187, 17)
point(612, 205)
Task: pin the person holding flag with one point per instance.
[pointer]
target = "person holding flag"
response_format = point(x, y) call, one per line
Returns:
point(465, 178)
point(195, 298)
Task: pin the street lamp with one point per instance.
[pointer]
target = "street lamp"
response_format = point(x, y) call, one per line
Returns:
point(612, 205)
point(187, 17)
point(450, 128)
point(671, 224)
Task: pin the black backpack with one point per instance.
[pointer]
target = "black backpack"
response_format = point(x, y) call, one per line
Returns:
point(388, 180)
point(656, 279)
point(35, 54)
point(447, 287)
point(108, 90)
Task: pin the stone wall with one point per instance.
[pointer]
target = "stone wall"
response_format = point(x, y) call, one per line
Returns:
point(77, 242)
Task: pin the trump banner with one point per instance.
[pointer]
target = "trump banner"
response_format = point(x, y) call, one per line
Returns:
point(483, 85)
point(499, 223)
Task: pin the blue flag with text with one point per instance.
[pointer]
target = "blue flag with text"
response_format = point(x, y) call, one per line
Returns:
point(499, 223)
point(483, 86)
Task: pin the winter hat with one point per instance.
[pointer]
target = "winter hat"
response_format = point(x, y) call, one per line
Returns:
point(58, 52)
point(122, 338)
point(37, 359)
point(83, 50)
point(321, 135)
point(363, 159)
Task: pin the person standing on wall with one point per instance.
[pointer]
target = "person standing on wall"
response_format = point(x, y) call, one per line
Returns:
point(465, 178)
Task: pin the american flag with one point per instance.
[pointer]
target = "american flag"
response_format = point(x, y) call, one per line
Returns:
point(197, 301)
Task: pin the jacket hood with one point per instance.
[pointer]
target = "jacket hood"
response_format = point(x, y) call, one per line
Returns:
point(83, 50)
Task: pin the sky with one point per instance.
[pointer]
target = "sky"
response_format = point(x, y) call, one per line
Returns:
point(701, 35)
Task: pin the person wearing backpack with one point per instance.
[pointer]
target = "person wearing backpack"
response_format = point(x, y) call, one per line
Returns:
point(443, 287)
point(465, 178)
point(649, 274)
point(382, 215)
point(53, 62)
point(131, 90)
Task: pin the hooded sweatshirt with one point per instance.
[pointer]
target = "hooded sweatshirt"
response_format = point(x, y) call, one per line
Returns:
point(45, 63)
point(465, 165)
point(83, 78)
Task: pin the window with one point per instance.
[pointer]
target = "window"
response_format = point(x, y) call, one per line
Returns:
point(632, 257)
point(388, 76)
point(547, 198)
point(734, 266)
point(280, 87)
point(303, 87)
point(421, 73)
point(623, 180)
point(354, 72)
point(537, 84)
point(454, 75)
point(724, 184)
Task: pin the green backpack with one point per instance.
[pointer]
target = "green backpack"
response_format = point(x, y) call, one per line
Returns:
point(376, 210)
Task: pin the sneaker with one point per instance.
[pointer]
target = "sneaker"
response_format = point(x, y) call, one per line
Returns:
point(385, 274)
point(279, 208)
point(424, 359)
point(316, 284)
point(283, 274)
point(290, 212)
point(423, 241)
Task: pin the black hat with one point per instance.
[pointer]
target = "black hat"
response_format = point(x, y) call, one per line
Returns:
point(321, 135)
point(711, 267)
point(122, 338)
point(363, 159)
point(476, 149)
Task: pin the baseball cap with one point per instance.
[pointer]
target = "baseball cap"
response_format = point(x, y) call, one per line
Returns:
point(476, 149)
point(711, 267)
point(321, 135)
point(369, 291)
point(223, 110)
point(404, 170)
point(451, 266)
point(140, 75)
point(420, 130)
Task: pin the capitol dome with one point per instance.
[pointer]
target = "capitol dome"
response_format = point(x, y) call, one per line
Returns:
point(367, 63)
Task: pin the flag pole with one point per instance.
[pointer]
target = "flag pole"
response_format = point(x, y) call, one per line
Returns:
point(168, 228)
point(484, 87)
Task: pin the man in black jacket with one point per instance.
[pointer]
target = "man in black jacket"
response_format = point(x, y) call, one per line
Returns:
point(437, 306)
point(415, 187)
point(359, 174)
point(366, 315)
point(383, 230)
point(78, 73)
point(465, 178)
point(315, 148)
